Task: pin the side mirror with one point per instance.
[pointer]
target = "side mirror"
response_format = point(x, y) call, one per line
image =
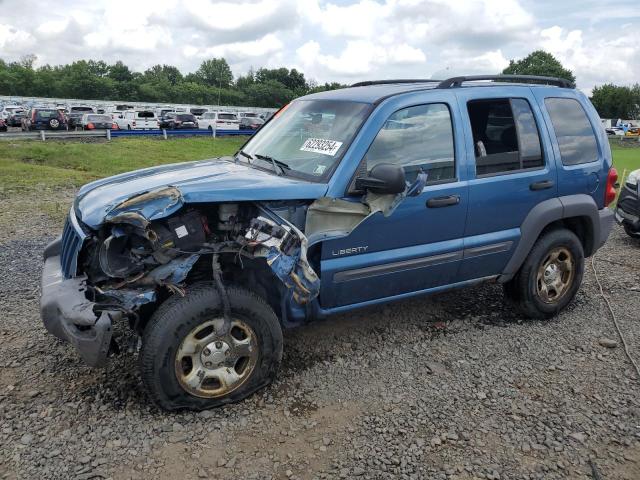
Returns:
point(384, 178)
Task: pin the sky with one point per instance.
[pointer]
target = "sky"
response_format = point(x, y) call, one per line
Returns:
point(342, 41)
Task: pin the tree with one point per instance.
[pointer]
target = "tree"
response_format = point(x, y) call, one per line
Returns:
point(539, 63)
point(214, 73)
point(612, 101)
point(120, 72)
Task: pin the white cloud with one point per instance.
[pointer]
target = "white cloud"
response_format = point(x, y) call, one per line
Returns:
point(13, 39)
point(358, 58)
point(329, 40)
point(239, 51)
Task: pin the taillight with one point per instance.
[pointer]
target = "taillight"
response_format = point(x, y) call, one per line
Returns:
point(90, 126)
point(610, 191)
point(133, 123)
point(114, 126)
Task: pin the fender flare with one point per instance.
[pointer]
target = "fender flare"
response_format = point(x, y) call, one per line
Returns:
point(547, 212)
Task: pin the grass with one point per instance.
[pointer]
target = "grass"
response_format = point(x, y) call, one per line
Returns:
point(626, 156)
point(33, 165)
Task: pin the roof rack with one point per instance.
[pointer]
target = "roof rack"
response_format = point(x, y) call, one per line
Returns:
point(458, 81)
point(388, 82)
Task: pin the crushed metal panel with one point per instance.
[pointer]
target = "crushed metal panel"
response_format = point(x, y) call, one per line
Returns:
point(335, 217)
point(131, 299)
point(140, 210)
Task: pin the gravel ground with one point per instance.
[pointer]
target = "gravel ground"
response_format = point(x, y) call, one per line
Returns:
point(454, 386)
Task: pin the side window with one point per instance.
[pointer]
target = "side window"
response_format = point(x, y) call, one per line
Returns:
point(575, 135)
point(505, 136)
point(418, 138)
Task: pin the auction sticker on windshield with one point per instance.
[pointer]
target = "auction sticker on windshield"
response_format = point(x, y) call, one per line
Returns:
point(321, 145)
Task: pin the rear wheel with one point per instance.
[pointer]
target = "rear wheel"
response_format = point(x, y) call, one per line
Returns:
point(188, 362)
point(550, 276)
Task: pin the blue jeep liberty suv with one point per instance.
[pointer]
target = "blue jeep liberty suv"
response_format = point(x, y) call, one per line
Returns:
point(344, 199)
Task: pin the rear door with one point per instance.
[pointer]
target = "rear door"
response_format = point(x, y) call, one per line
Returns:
point(511, 171)
point(579, 150)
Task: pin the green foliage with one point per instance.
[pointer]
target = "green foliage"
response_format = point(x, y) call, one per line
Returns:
point(214, 73)
point(539, 63)
point(211, 84)
point(613, 101)
point(31, 165)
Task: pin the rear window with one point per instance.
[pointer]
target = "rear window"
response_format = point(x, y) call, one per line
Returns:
point(81, 109)
point(574, 133)
point(227, 116)
point(185, 117)
point(146, 115)
point(47, 114)
point(99, 118)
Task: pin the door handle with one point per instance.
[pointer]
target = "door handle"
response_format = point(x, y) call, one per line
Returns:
point(541, 185)
point(438, 202)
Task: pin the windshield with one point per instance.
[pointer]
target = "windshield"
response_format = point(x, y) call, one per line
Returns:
point(99, 118)
point(310, 136)
point(186, 117)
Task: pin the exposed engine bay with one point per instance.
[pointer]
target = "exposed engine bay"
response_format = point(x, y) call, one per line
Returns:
point(133, 261)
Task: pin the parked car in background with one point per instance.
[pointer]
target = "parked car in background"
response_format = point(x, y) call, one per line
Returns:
point(14, 119)
point(137, 120)
point(251, 123)
point(219, 121)
point(248, 115)
point(76, 112)
point(3, 125)
point(96, 121)
point(8, 110)
point(628, 206)
point(174, 120)
point(198, 111)
point(44, 119)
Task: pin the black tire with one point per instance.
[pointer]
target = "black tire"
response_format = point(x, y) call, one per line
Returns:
point(177, 317)
point(629, 231)
point(522, 290)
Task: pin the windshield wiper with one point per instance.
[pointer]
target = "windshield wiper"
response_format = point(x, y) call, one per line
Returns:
point(246, 155)
point(276, 163)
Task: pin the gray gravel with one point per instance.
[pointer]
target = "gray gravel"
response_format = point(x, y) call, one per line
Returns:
point(454, 386)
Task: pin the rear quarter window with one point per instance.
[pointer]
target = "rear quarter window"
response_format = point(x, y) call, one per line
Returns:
point(575, 135)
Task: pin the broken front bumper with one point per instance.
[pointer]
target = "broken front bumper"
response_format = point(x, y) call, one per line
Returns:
point(67, 314)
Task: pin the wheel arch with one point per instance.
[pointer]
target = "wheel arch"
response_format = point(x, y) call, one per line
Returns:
point(577, 213)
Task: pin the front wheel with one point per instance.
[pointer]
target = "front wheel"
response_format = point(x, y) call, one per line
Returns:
point(188, 362)
point(550, 276)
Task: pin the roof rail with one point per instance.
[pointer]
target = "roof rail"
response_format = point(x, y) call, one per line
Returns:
point(458, 81)
point(387, 82)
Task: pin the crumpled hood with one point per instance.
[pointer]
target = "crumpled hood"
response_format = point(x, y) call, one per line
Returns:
point(213, 180)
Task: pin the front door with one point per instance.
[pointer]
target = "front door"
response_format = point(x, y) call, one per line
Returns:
point(419, 246)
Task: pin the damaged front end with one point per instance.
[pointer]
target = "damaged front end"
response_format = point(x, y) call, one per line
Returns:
point(155, 244)
point(148, 245)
